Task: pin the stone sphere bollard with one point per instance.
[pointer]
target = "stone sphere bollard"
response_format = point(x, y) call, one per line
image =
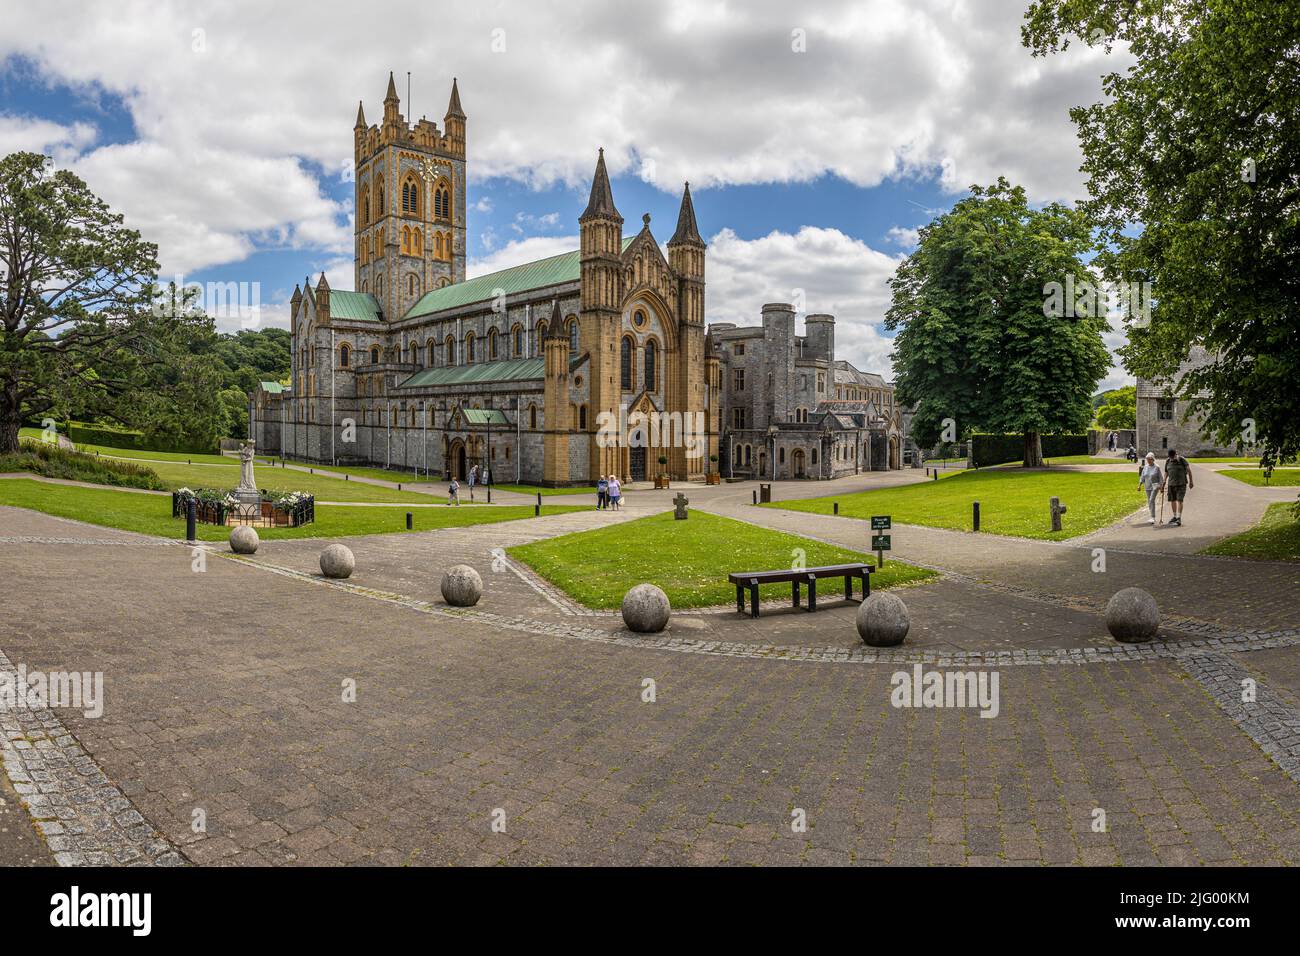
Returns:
point(646, 609)
point(462, 586)
point(243, 539)
point(883, 620)
point(337, 561)
point(1132, 616)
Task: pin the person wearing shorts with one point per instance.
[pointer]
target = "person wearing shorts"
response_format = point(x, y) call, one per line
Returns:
point(1178, 478)
point(615, 492)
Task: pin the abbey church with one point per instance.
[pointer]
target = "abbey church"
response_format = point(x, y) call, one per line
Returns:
point(541, 372)
point(521, 371)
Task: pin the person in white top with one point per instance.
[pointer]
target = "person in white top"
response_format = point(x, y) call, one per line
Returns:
point(615, 492)
point(1151, 480)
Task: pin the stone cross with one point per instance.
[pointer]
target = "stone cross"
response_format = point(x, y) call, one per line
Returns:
point(1058, 509)
point(680, 503)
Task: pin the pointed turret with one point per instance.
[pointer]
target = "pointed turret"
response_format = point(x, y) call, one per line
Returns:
point(453, 106)
point(361, 116)
point(687, 231)
point(601, 203)
point(454, 121)
point(323, 301)
point(391, 103)
point(555, 327)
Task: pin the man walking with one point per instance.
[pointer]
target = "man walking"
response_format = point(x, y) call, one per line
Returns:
point(473, 479)
point(453, 493)
point(1152, 482)
point(1178, 478)
point(602, 489)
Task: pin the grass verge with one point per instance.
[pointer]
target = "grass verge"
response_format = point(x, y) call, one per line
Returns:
point(151, 514)
point(689, 559)
point(1275, 538)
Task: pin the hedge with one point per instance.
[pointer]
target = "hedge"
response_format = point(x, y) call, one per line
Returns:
point(998, 449)
point(81, 433)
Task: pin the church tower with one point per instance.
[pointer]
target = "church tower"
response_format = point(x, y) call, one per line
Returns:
point(410, 203)
point(601, 245)
point(693, 391)
point(555, 442)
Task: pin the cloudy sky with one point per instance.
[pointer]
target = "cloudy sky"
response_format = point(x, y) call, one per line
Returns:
point(816, 139)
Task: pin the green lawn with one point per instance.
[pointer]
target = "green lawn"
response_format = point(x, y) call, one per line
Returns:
point(1012, 501)
point(1088, 460)
point(545, 492)
point(152, 514)
point(132, 453)
point(178, 474)
point(1276, 537)
point(1281, 477)
point(596, 568)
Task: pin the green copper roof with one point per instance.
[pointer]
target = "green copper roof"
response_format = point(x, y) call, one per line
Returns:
point(353, 306)
point(555, 270)
point(272, 388)
point(485, 416)
point(512, 370)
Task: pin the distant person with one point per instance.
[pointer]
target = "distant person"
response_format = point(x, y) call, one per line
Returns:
point(615, 493)
point(1111, 442)
point(602, 490)
point(1132, 453)
point(1178, 478)
point(1152, 481)
point(453, 493)
point(487, 477)
point(473, 480)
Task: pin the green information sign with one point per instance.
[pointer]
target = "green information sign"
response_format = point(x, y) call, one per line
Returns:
point(880, 542)
point(881, 522)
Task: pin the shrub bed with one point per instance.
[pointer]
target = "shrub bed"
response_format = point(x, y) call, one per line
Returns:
point(999, 449)
point(83, 434)
point(51, 461)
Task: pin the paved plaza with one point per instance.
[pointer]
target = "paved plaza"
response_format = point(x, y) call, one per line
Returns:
point(521, 731)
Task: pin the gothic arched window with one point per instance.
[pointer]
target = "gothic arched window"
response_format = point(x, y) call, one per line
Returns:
point(469, 347)
point(492, 344)
point(573, 335)
point(433, 353)
point(451, 350)
point(625, 365)
point(374, 355)
point(651, 360)
point(532, 416)
point(517, 333)
point(345, 356)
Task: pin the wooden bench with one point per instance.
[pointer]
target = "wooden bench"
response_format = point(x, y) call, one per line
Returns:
point(796, 577)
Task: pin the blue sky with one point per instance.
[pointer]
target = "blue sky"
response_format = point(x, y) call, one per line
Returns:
point(817, 140)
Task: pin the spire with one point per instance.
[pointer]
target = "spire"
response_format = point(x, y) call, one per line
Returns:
point(601, 204)
point(361, 116)
point(555, 328)
point(453, 107)
point(687, 231)
point(323, 284)
point(391, 95)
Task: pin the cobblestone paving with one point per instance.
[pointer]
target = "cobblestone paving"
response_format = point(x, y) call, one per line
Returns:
point(235, 707)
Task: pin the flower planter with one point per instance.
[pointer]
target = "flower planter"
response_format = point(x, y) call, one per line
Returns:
point(713, 478)
point(661, 482)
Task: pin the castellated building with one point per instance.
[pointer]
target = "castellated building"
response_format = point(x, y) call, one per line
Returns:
point(544, 373)
point(790, 409)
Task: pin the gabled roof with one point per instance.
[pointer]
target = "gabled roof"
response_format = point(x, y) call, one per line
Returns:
point(555, 270)
point(354, 306)
point(272, 388)
point(507, 370)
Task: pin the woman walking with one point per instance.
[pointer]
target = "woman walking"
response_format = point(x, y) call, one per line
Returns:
point(615, 493)
point(1152, 481)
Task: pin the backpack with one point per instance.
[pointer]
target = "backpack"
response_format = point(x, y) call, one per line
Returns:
point(1176, 470)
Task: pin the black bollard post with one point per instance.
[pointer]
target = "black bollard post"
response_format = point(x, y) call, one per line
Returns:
point(754, 495)
point(975, 514)
point(399, 486)
point(489, 494)
point(408, 521)
point(936, 474)
point(191, 517)
point(837, 507)
point(537, 508)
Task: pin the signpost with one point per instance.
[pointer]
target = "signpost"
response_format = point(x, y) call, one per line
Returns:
point(880, 543)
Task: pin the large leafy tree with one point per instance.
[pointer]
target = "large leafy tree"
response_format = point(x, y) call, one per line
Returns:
point(74, 293)
point(1119, 410)
point(977, 341)
point(1194, 172)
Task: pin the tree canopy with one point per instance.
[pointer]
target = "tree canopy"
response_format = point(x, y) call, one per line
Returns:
point(977, 342)
point(1193, 162)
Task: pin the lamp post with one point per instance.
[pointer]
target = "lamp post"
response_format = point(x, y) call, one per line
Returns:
point(771, 434)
